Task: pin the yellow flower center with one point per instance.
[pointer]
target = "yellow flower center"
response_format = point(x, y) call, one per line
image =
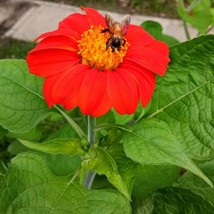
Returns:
point(92, 48)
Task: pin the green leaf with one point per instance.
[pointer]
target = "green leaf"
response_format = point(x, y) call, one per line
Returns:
point(3, 132)
point(198, 15)
point(30, 187)
point(63, 165)
point(3, 169)
point(65, 131)
point(69, 146)
point(143, 206)
point(21, 104)
point(15, 147)
point(152, 142)
point(184, 97)
point(196, 185)
point(149, 178)
point(155, 29)
point(212, 14)
point(126, 167)
point(107, 202)
point(101, 161)
point(177, 200)
point(122, 119)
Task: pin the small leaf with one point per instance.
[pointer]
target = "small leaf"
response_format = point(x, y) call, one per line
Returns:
point(21, 104)
point(155, 29)
point(30, 187)
point(152, 142)
point(122, 119)
point(101, 162)
point(70, 146)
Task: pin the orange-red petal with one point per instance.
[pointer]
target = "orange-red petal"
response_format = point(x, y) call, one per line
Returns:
point(57, 42)
point(149, 58)
point(145, 80)
point(91, 92)
point(123, 91)
point(76, 22)
point(94, 17)
point(138, 37)
point(51, 62)
point(59, 88)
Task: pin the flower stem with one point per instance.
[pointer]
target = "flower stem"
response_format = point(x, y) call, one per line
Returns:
point(91, 140)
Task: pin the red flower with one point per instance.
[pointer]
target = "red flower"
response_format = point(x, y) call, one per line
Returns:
point(79, 71)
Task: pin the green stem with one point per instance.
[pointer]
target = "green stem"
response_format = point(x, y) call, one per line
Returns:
point(91, 140)
point(186, 31)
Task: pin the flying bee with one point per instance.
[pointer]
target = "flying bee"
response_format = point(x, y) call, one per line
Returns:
point(117, 31)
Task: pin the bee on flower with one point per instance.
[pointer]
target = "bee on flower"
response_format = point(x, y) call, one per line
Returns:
point(117, 31)
point(96, 63)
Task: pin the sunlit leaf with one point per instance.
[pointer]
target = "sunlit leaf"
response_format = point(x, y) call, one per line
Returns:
point(152, 142)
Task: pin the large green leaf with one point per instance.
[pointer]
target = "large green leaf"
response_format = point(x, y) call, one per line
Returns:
point(184, 98)
point(177, 200)
point(21, 102)
point(30, 187)
point(152, 142)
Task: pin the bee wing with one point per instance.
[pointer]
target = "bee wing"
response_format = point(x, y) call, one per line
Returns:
point(125, 24)
point(109, 20)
